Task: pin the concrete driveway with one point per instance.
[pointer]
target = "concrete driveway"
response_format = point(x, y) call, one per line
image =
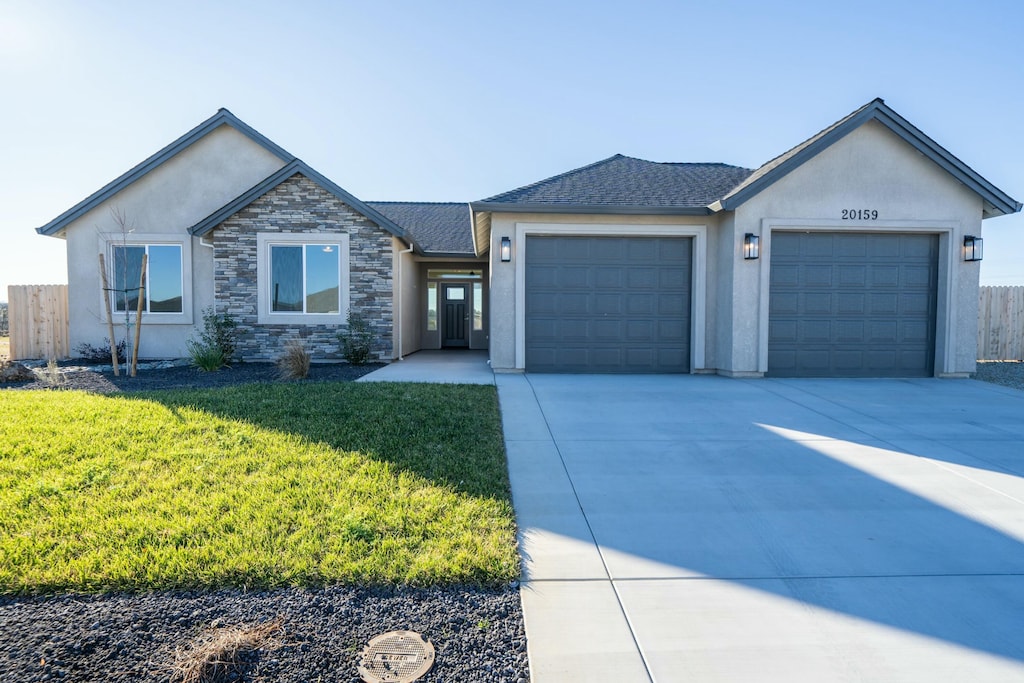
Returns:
point(696, 528)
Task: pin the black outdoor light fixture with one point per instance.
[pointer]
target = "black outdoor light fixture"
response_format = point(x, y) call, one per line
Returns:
point(506, 249)
point(973, 247)
point(751, 246)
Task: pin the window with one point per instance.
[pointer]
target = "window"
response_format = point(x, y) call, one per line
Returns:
point(305, 278)
point(302, 278)
point(163, 290)
point(431, 306)
point(478, 306)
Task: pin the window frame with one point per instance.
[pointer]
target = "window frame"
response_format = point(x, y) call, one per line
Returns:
point(107, 244)
point(264, 278)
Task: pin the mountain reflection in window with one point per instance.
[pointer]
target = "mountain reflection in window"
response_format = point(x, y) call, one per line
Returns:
point(305, 278)
point(163, 278)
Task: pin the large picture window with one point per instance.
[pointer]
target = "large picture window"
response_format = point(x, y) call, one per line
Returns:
point(302, 278)
point(163, 286)
point(305, 278)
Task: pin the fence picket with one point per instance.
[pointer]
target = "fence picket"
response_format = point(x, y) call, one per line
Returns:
point(1001, 323)
point(38, 318)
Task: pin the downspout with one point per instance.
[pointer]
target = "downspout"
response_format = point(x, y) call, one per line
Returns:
point(398, 298)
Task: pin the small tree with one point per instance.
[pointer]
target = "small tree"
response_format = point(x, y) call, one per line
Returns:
point(357, 339)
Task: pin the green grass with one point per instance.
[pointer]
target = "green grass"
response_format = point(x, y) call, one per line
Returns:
point(254, 486)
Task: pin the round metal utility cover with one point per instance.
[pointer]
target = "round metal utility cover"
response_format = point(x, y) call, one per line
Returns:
point(396, 657)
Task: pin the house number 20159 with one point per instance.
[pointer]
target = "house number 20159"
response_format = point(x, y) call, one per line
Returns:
point(860, 214)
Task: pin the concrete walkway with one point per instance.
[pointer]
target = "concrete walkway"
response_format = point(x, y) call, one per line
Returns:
point(693, 528)
point(436, 367)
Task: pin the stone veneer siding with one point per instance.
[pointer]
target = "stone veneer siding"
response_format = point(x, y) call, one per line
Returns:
point(299, 205)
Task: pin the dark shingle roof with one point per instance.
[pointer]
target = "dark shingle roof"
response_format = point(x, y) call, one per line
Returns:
point(626, 182)
point(437, 227)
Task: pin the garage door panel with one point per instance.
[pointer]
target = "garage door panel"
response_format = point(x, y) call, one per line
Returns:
point(852, 303)
point(914, 304)
point(884, 332)
point(641, 304)
point(607, 304)
point(642, 278)
point(816, 331)
point(853, 276)
point(608, 277)
point(884, 246)
point(817, 303)
point(916, 276)
point(789, 275)
point(849, 331)
point(885, 276)
point(885, 303)
point(818, 276)
point(623, 304)
point(874, 317)
point(574, 278)
point(850, 246)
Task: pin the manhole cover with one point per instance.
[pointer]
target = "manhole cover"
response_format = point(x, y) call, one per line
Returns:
point(396, 657)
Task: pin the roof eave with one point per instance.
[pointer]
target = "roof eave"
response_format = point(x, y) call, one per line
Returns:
point(501, 207)
point(221, 118)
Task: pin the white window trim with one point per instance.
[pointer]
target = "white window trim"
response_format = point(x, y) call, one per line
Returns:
point(950, 233)
point(264, 316)
point(109, 240)
point(698, 289)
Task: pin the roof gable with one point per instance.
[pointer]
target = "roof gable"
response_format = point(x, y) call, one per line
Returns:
point(621, 184)
point(223, 117)
point(296, 167)
point(996, 202)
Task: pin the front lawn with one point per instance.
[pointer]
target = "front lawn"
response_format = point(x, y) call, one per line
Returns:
point(253, 486)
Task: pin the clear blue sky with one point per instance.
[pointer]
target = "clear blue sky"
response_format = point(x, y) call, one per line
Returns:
point(455, 101)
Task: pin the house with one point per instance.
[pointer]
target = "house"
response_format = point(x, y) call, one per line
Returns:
point(852, 254)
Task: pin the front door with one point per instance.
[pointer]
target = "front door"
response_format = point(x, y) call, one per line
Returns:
point(456, 316)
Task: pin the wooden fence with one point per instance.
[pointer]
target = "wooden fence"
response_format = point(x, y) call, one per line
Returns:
point(1001, 323)
point(38, 320)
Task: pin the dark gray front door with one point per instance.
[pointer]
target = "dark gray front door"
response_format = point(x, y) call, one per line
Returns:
point(608, 304)
point(456, 315)
point(852, 305)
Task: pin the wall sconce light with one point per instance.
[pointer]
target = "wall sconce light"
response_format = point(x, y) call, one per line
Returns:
point(506, 249)
point(751, 246)
point(973, 248)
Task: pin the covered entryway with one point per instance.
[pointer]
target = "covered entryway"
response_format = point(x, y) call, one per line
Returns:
point(608, 304)
point(852, 304)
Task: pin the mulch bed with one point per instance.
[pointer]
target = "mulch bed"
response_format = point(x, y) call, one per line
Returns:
point(103, 381)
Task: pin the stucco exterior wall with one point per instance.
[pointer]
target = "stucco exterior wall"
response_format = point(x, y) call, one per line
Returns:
point(871, 168)
point(166, 202)
point(504, 311)
point(299, 206)
point(407, 297)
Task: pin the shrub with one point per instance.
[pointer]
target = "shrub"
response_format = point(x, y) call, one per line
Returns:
point(215, 346)
point(207, 358)
point(101, 354)
point(294, 362)
point(51, 375)
point(356, 340)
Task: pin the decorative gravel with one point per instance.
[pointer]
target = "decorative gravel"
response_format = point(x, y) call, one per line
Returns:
point(477, 634)
point(1009, 373)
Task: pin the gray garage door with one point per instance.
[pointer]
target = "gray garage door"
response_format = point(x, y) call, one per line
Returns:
point(608, 304)
point(852, 305)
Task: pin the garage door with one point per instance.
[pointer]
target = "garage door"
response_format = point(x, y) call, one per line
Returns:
point(608, 304)
point(852, 305)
